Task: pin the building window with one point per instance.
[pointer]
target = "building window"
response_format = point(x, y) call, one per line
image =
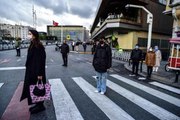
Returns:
point(142, 42)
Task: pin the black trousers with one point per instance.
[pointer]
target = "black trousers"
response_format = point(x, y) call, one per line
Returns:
point(72, 48)
point(65, 58)
point(135, 67)
point(18, 51)
point(149, 71)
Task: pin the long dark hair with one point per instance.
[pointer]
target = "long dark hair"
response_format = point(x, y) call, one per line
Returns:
point(35, 42)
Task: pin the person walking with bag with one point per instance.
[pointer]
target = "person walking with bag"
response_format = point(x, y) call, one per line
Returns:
point(35, 70)
point(101, 62)
point(150, 61)
point(64, 52)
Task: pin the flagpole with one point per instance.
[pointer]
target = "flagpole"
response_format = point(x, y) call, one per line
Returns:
point(61, 33)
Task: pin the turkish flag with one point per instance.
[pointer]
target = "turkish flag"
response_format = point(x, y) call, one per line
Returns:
point(55, 23)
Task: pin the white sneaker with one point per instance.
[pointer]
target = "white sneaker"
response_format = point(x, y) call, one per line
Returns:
point(132, 75)
point(96, 91)
point(102, 93)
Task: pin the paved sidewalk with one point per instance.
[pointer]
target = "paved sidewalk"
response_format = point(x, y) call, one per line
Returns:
point(161, 76)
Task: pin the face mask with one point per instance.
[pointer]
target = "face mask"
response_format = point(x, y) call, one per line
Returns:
point(136, 47)
point(150, 49)
point(29, 37)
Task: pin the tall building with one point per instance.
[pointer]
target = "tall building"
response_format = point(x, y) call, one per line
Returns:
point(129, 26)
point(14, 30)
point(68, 32)
point(173, 9)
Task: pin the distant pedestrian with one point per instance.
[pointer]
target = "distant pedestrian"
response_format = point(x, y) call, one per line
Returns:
point(77, 46)
point(35, 70)
point(158, 58)
point(84, 46)
point(64, 52)
point(93, 48)
point(101, 62)
point(73, 45)
point(18, 46)
point(136, 56)
point(150, 61)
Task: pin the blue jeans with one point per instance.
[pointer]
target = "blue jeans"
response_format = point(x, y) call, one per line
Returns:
point(101, 81)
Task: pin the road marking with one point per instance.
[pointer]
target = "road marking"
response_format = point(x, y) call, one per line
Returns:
point(18, 60)
point(13, 68)
point(172, 89)
point(149, 90)
point(65, 108)
point(1, 84)
point(157, 111)
point(5, 61)
point(112, 111)
point(17, 110)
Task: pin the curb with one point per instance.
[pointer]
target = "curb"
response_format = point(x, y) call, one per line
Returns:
point(156, 78)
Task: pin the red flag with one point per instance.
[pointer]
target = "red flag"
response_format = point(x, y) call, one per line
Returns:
point(55, 23)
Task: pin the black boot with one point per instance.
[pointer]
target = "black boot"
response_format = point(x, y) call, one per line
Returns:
point(38, 108)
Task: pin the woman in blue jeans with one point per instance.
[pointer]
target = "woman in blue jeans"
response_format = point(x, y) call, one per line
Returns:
point(101, 62)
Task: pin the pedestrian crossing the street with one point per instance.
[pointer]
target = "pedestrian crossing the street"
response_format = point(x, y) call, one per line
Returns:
point(154, 103)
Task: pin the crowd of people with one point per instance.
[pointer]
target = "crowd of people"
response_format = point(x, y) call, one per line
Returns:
point(102, 61)
point(152, 60)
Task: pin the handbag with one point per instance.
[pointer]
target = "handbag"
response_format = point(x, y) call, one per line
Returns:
point(40, 92)
point(39, 89)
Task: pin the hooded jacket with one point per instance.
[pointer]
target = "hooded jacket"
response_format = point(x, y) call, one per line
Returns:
point(102, 58)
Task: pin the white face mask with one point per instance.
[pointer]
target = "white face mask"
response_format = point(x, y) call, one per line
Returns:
point(29, 37)
point(136, 47)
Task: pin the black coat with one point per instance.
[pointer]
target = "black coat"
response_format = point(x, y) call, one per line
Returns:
point(64, 48)
point(102, 58)
point(136, 55)
point(35, 66)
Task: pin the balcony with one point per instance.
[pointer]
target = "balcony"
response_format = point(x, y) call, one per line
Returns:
point(118, 21)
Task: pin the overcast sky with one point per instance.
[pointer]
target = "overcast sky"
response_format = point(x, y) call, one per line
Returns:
point(65, 12)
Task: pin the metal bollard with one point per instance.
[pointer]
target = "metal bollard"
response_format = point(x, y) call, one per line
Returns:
point(177, 75)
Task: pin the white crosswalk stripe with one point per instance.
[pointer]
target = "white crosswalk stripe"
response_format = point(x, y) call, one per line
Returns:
point(172, 89)
point(143, 103)
point(1, 84)
point(65, 108)
point(157, 111)
point(149, 90)
point(105, 104)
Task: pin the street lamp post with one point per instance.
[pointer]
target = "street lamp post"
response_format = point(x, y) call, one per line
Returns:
point(149, 21)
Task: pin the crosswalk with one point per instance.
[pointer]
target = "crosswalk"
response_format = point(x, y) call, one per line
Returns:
point(145, 99)
point(1, 84)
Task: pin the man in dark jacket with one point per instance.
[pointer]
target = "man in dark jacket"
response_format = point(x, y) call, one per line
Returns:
point(136, 56)
point(65, 51)
point(101, 62)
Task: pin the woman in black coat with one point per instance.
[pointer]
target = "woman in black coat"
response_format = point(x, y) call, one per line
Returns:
point(35, 69)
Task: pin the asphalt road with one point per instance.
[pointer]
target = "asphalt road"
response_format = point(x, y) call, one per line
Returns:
point(138, 100)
